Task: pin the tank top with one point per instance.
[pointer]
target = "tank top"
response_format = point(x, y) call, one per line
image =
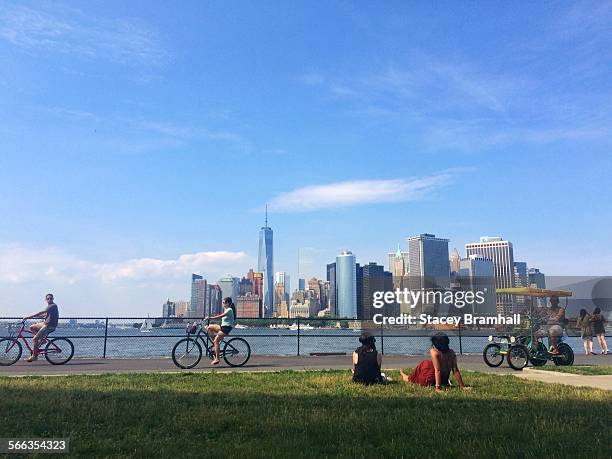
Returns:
point(366, 370)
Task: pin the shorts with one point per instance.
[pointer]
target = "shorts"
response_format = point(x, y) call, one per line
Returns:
point(226, 329)
point(44, 332)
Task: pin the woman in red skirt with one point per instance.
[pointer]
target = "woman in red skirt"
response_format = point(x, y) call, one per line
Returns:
point(435, 372)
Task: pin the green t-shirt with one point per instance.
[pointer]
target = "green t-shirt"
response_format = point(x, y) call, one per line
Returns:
point(228, 320)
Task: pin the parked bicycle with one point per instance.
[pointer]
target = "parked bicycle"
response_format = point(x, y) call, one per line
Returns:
point(187, 352)
point(57, 351)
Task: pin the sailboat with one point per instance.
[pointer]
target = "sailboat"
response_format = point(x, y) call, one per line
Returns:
point(146, 326)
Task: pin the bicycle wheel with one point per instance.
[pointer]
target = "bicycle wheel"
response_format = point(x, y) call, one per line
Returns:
point(565, 356)
point(236, 352)
point(539, 358)
point(59, 351)
point(518, 357)
point(10, 351)
point(492, 355)
point(187, 353)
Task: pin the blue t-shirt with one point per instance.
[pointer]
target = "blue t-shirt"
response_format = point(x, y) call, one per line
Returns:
point(52, 315)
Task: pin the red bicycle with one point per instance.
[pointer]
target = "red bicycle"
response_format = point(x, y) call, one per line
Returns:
point(57, 351)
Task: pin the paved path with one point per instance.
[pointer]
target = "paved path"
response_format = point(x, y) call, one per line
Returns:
point(597, 381)
point(257, 363)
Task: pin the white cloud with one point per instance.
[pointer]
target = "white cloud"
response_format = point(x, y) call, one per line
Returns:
point(70, 31)
point(356, 192)
point(20, 265)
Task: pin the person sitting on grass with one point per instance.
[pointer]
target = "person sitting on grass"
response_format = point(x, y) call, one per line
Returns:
point(228, 320)
point(367, 362)
point(436, 372)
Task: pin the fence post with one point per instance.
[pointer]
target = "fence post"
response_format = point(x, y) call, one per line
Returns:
point(298, 336)
point(460, 342)
point(382, 339)
point(105, 337)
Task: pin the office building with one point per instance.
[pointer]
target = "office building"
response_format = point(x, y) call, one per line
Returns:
point(198, 296)
point(247, 306)
point(333, 291)
point(429, 267)
point(454, 261)
point(265, 265)
point(168, 309)
point(398, 263)
point(536, 278)
point(181, 308)
point(301, 284)
point(501, 253)
point(281, 277)
point(229, 287)
point(476, 274)
point(280, 301)
point(214, 298)
point(299, 310)
point(346, 285)
point(373, 278)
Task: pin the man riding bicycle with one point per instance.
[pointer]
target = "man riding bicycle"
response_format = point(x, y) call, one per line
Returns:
point(553, 328)
point(42, 329)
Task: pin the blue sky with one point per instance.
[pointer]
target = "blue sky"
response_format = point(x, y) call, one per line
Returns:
point(139, 141)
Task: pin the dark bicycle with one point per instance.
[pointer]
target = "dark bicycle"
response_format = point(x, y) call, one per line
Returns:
point(187, 352)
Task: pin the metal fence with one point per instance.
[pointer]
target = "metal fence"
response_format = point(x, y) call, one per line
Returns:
point(111, 337)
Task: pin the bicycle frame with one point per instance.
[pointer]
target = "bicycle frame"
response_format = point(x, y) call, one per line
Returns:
point(209, 345)
point(41, 348)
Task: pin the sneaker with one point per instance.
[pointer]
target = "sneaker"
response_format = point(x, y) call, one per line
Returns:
point(593, 353)
point(32, 358)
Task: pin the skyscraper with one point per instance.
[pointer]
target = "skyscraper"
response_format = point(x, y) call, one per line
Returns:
point(213, 299)
point(229, 287)
point(537, 278)
point(281, 277)
point(333, 291)
point(398, 262)
point(374, 278)
point(478, 274)
point(198, 296)
point(301, 284)
point(346, 285)
point(265, 265)
point(454, 261)
point(501, 253)
point(429, 266)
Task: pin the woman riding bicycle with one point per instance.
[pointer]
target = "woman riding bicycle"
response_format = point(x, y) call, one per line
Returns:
point(228, 320)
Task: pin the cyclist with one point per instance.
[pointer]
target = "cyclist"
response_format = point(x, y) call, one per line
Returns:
point(556, 322)
point(228, 320)
point(42, 329)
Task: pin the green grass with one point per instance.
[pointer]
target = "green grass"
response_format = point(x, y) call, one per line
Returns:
point(305, 414)
point(581, 369)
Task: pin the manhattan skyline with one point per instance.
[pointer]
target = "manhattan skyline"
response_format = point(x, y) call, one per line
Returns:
point(135, 152)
